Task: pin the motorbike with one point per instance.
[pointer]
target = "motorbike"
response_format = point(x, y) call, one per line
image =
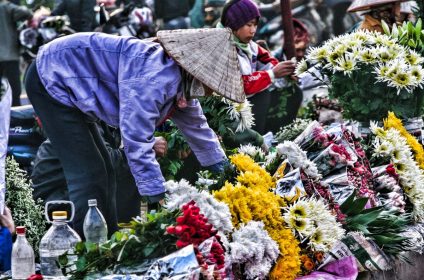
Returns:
point(128, 21)
point(25, 136)
point(35, 33)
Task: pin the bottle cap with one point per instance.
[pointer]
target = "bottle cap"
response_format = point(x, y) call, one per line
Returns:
point(20, 230)
point(59, 215)
point(92, 202)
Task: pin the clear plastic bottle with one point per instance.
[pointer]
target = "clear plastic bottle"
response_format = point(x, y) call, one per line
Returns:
point(23, 264)
point(57, 240)
point(95, 227)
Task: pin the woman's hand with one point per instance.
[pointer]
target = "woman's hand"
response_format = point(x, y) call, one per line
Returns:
point(160, 146)
point(284, 68)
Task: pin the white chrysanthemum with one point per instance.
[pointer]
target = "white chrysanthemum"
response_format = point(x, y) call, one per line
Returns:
point(301, 67)
point(297, 158)
point(317, 54)
point(384, 40)
point(217, 213)
point(345, 64)
point(402, 80)
point(382, 148)
point(253, 247)
point(367, 56)
point(411, 177)
point(241, 112)
point(413, 58)
point(384, 54)
point(251, 151)
point(418, 72)
point(312, 220)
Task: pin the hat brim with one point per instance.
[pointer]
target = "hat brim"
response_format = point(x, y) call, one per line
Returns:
point(209, 55)
point(364, 5)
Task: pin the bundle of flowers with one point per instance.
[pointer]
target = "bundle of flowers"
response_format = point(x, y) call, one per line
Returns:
point(314, 224)
point(252, 246)
point(314, 138)
point(417, 149)
point(251, 174)
point(298, 158)
point(309, 174)
point(363, 64)
point(254, 152)
point(252, 201)
point(389, 191)
point(389, 143)
point(193, 228)
point(334, 157)
point(217, 213)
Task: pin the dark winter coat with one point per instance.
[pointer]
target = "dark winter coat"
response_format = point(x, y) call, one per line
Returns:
point(81, 13)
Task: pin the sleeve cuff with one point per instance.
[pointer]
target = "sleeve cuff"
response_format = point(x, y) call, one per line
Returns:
point(271, 75)
point(155, 198)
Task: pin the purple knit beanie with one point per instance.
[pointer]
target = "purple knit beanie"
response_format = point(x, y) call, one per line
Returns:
point(240, 13)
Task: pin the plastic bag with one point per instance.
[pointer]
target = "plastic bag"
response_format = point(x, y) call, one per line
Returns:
point(290, 184)
point(368, 255)
point(177, 266)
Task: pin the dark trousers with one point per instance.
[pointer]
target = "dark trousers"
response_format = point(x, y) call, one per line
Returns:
point(10, 70)
point(81, 150)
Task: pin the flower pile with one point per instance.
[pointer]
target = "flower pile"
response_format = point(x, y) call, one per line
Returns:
point(390, 143)
point(252, 200)
point(363, 64)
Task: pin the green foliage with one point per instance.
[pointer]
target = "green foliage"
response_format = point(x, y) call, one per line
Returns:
point(408, 34)
point(291, 131)
point(138, 242)
point(278, 110)
point(363, 102)
point(419, 10)
point(216, 112)
point(383, 226)
point(25, 211)
point(172, 162)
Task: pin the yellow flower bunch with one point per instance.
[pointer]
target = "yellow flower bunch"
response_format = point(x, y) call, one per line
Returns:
point(252, 175)
point(256, 204)
point(393, 122)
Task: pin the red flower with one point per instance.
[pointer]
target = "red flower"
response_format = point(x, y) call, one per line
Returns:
point(35, 277)
point(181, 244)
point(170, 230)
point(390, 169)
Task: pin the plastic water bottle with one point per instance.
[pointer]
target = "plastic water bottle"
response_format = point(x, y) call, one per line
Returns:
point(22, 256)
point(95, 227)
point(59, 239)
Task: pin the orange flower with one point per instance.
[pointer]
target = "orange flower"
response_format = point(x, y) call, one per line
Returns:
point(319, 256)
point(309, 265)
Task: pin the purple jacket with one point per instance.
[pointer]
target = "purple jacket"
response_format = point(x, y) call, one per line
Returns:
point(130, 84)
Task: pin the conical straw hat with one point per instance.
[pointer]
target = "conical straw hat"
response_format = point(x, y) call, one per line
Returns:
point(209, 55)
point(362, 5)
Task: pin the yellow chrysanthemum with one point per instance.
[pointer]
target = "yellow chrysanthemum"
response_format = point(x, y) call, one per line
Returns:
point(393, 122)
point(256, 204)
point(252, 175)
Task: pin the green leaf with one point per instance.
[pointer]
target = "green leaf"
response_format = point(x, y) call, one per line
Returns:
point(149, 249)
point(90, 246)
point(418, 27)
point(395, 32)
point(385, 27)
